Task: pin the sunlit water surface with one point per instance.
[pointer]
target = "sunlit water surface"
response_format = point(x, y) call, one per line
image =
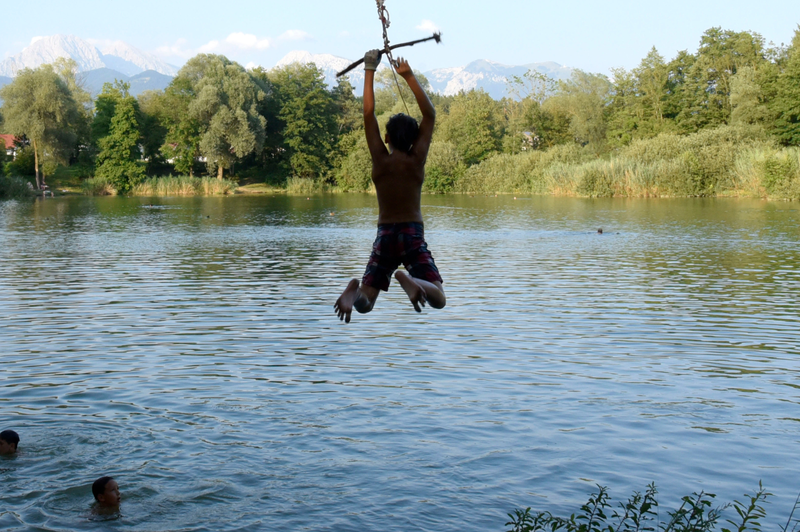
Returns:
point(189, 349)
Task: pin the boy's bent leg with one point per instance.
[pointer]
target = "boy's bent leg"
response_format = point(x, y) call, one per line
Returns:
point(361, 298)
point(420, 291)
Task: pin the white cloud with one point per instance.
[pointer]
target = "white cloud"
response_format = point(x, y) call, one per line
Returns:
point(247, 41)
point(251, 65)
point(295, 35)
point(179, 49)
point(233, 43)
point(428, 26)
point(208, 47)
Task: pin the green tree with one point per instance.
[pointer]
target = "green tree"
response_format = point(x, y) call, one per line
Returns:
point(349, 118)
point(308, 119)
point(391, 92)
point(528, 124)
point(181, 144)
point(474, 125)
point(348, 108)
point(707, 84)
point(639, 101)
point(152, 127)
point(748, 104)
point(624, 113)
point(67, 70)
point(584, 98)
point(2, 156)
point(786, 104)
point(119, 150)
point(38, 104)
point(223, 104)
point(679, 95)
point(105, 107)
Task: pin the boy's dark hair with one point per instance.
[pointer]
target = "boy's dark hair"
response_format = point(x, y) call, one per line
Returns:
point(403, 131)
point(9, 436)
point(99, 486)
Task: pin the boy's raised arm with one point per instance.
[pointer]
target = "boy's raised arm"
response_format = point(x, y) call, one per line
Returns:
point(424, 103)
point(371, 128)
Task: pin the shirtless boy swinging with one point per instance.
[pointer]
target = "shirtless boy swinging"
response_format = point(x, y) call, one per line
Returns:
point(398, 173)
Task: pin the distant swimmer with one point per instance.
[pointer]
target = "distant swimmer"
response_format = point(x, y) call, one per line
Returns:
point(398, 173)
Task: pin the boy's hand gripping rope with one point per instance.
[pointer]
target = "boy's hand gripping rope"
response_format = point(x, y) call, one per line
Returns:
point(383, 14)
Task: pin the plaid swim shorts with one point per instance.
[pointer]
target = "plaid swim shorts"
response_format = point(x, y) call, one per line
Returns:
point(400, 243)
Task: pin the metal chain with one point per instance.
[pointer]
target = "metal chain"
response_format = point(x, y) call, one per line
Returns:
point(383, 14)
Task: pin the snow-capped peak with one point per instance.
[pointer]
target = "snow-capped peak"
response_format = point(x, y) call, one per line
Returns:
point(118, 56)
point(141, 60)
point(48, 49)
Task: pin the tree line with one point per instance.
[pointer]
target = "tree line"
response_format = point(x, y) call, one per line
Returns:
point(217, 118)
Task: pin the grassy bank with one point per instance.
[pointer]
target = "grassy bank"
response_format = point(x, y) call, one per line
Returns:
point(726, 161)
point(641, 513)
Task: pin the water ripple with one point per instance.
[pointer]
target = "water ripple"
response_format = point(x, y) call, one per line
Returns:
point(189, 348)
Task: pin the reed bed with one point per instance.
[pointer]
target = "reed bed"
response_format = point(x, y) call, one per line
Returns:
point(14, 187)
point(98, 186)
point(728, 160)
point(301, 186)
point(184, 186)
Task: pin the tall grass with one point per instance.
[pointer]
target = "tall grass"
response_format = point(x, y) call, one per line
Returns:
point(14, 187)
point(98, 186)
point(769, 172)
point(301, 186)
point(184, 186)
point(723, 161)
point(164, 186)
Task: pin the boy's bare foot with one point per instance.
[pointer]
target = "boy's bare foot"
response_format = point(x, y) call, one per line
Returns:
point(344, 305)
point(416, 294)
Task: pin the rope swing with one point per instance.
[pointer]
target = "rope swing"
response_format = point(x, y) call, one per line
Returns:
point(383, 14)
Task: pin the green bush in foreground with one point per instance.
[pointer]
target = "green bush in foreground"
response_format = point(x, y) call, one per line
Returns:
point(640, 513)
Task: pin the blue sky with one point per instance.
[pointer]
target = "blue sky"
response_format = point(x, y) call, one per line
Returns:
point(590, 35)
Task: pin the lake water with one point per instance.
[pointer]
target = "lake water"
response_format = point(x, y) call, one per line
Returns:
point(189, 348)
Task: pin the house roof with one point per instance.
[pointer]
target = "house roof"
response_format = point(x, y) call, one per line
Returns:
point(9, 141)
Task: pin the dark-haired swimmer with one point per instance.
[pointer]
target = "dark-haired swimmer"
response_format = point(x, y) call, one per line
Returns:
point(9, 441)
point(106, 492)
point(398, 172)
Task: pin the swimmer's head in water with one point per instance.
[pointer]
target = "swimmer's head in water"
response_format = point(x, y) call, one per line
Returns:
point(9, 440)
point(402, 131)
point(106, 491)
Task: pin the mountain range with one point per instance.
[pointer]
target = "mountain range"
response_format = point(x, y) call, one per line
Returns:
point(118, 56)
point(116, 61)
point(482, 74)
point(144, 71)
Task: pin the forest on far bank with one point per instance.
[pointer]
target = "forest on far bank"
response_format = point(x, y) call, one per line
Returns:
point(723, 120)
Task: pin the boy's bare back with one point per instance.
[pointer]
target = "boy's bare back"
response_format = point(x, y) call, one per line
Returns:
point(398, 175)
